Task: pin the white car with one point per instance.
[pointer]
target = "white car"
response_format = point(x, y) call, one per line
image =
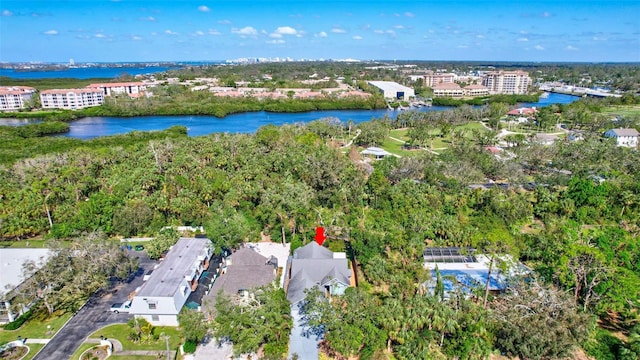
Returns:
point(121, 307)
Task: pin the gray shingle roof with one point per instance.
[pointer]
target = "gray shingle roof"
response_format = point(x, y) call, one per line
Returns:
point(312, 251)
point(316, 267)
point(625, 132)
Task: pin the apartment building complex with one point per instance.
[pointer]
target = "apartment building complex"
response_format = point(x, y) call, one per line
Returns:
point(455, 90)
point(132, 89)
point(14, 97)
point(71, 99)
point(507, 82)
point(431, 79)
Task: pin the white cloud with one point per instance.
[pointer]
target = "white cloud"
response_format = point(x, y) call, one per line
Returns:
point(321, 34)
point(399, 27)
point(571, 48)
point(523, 39)
point(409, 14)
point(203, 8)
point(275, 35)
point(245, 31)
point(6, 13)
point(538, 47)
point(462, 46)
point(136, 37)
point(198, 33)
point(546, 14)
point(597, 38)
point(357, 37)
point(338, 30)
point(148, 18)
point(214, 32)
point(224, 22)
point(169, 32)
point(378, 31)
point(480, 36)
point(286, 30)
point(100, 36)
point(51, 32)
point(279, 41)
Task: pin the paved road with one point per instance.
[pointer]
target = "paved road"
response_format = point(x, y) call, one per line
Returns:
point(92, 316)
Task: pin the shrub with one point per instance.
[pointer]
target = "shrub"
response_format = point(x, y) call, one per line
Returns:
point(189, 347)
point(15, 324)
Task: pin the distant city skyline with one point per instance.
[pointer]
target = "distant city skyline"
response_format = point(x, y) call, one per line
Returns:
point(480, 30)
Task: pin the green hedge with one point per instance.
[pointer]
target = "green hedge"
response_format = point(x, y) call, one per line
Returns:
point(15, 325)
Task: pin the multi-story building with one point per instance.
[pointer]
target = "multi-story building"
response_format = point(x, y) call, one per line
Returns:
point(447, 90)
point(431, 79)
point(71, 99)
point(507, 82)
point(14, 97)
point(133, 89)
point(160, 299)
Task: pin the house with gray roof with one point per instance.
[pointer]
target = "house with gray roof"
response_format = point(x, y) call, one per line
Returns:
point(245, 269)
point(315, 266)
point(312, 266)
point(160, 299)
point(624, 137)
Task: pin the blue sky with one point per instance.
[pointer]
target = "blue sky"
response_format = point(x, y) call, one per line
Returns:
point(185, 30)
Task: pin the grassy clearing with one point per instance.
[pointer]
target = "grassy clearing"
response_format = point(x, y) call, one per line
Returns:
point(31, 244)
point(121, 333)
point(36, 328)
point(623, 110)
point(133, 357)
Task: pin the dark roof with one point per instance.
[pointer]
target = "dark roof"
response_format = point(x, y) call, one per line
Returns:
point(449, 255)
point(247, 270)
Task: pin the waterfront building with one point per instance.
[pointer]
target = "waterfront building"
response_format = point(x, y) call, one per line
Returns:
point(132, 89)
point(624, 137)
point(393, 90)
point(431, 79)
point(14, 97)
point(507, 82)
point(71, 99)
point(474, 90)
point(447, 90)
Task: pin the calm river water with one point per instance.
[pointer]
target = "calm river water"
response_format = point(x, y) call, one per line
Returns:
point(92, 127)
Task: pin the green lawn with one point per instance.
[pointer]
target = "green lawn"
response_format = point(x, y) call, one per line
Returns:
point(133, 357)
point(121, 332)
point(35, 328)
point(33, 349)
point(33, 243)
point(623, 110)
point(399, 134)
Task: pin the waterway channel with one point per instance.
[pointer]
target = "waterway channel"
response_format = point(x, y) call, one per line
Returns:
point(91, 127)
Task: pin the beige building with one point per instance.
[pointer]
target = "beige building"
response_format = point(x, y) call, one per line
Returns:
point(454, 90)
point(431, 79)
point(507, 82)
point(133, 89)
point(71, 99)
point(14, 97)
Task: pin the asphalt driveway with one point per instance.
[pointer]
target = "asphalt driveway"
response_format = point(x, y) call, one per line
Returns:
point(94, 315)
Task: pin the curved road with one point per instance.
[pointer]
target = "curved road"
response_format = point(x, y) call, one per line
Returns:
point(92, 316)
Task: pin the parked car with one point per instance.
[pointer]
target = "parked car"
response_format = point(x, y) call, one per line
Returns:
point(121, 307)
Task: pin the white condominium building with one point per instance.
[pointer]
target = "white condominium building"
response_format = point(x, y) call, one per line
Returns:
point(507, 82)
point(133, 89)
point(14, 97)
point(71, 98)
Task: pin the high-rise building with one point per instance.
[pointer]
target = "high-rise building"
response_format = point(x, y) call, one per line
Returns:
point(507, 82)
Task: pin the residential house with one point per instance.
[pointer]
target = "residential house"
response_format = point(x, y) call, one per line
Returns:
point(245, 269)
point(162, 296)
point(375, 153)
point(11, 262)
point(313, 266)
point(624, 137)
